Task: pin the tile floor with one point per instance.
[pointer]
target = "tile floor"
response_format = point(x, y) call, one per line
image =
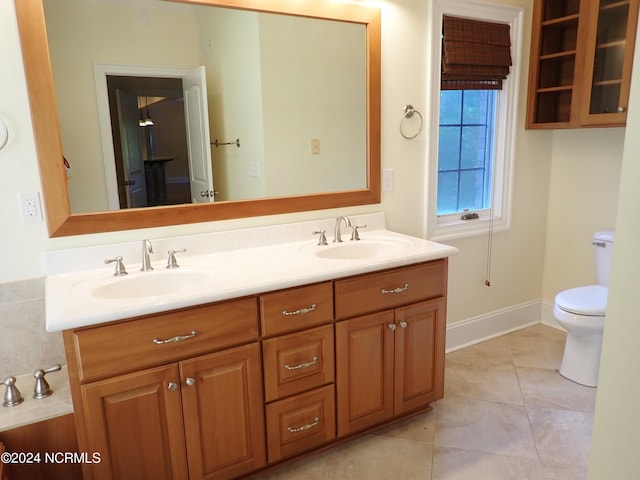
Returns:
point(506, 414)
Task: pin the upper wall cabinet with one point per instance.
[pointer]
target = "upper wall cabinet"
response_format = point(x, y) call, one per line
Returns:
point(581, 58)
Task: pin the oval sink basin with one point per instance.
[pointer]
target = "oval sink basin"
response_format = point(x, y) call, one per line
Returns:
point(359, 250)
point(150, 284)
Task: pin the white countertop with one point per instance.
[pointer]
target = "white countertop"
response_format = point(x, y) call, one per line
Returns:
point(237, 263)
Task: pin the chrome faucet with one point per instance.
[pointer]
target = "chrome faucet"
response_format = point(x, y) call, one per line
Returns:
point(337, 237)
point(147, 248)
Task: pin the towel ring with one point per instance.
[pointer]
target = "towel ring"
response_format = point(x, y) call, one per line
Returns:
point(408, 112)
point(4, 134)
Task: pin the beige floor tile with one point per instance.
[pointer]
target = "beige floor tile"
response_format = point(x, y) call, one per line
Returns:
point(547, 388)
point(562, 437)
point(492, 353)
point(497, 384)
point(381, 458)
point(371, 457)
point(418, 429)
point(539, 346)
point(313, 468)
point(566, 472)
point(455, 464)
point(483, 426)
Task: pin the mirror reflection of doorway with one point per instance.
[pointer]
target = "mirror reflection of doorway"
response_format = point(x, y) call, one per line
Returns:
point(149, 140)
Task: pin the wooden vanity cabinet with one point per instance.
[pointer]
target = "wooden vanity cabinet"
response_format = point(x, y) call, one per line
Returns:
point(5, 472)
point(390, 362)
point(192, 416)
point(580, 63)
point(224, 390)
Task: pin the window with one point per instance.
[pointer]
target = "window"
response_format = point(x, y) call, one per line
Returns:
point(465, 150)
point(470, 142)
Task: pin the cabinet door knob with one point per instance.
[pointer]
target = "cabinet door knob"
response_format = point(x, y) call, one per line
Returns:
point(172, 386)
point(190, 381)
point(392, 326)
point(403, 324)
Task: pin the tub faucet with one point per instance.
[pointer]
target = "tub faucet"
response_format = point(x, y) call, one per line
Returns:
point(337, 237)
point(147, 248)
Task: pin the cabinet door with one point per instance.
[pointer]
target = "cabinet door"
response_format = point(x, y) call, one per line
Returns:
point(135, 423)
point(224, 413)
point(419, 355)
point(553, 94)
point(364, 371)
point(609, 44)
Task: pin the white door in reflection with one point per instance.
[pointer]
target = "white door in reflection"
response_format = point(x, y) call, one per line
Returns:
point(196, 110)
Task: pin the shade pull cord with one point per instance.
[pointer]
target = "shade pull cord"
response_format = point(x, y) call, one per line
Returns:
point(487, 280)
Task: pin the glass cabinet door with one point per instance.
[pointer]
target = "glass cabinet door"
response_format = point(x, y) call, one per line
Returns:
point(607, 86)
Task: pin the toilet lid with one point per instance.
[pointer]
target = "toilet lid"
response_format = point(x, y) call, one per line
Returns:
point(589, 300)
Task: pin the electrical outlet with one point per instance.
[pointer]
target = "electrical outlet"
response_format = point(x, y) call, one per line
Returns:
point(314, 145)
point(387, 179)
point(254, 169)
point(30, 210)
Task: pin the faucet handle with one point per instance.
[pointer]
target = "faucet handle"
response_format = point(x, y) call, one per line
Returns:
point(120, 269)
point(42, 388)
point(12, 395)
point(354, 231)
point(322, 239)
point(171, 261)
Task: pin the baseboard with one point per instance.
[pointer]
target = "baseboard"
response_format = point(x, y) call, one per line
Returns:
point(546, 315)
point(494, 324)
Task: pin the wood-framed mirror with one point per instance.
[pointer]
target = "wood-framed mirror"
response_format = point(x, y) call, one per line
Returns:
point(62, 219)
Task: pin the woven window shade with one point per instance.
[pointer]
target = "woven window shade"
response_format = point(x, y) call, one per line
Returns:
point(476, 55)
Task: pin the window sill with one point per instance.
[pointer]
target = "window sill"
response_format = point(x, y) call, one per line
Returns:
point(466, 228)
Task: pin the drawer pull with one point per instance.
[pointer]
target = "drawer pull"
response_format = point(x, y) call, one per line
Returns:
point(313, 361)
point(404, 324)
point(300, 311)
point(177, 338)
point(392, 327)
point(316, 422)
point(395, 290)
point(172, 386)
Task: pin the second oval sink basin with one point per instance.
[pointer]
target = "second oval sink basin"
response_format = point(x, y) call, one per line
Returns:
point(358, 250)
point(150, 284)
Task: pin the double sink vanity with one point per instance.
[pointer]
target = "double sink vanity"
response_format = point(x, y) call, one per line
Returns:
point(261, 346)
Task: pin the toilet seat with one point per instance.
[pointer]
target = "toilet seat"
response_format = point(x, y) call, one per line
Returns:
point(590, 300)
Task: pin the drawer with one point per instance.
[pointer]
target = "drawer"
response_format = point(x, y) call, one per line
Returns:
point(301, 423)
point(296, 308)
point(298, 362)
point(162, 338)
point(391, 288)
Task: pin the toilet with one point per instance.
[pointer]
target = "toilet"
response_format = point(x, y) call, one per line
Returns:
point(581, 311)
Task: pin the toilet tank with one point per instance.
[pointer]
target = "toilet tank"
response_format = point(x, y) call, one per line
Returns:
point(603, 245)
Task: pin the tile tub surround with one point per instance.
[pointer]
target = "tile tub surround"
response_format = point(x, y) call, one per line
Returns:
point(25, 345)
point(236, 263)
point(507, 414)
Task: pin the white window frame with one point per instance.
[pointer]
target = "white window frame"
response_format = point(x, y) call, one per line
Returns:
point(498, 218)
